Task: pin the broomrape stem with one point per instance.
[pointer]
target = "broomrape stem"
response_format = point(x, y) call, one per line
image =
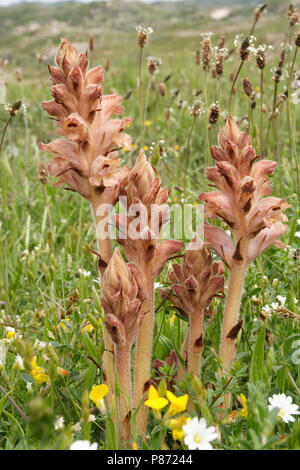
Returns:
point(230, 319)
point(195, 343)
point(261, 110)
point(140, 94)
point(143, 360)
point(123, 371)
point(105, 250)
point(187, 156)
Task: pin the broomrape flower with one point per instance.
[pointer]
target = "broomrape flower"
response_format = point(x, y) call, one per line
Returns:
point(286, 408)
point(155, 401)
point(178, 404)
point(83, 445)
point(197, 436)
point(97, 395)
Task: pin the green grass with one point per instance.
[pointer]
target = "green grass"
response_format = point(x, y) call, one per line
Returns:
point(45, 233)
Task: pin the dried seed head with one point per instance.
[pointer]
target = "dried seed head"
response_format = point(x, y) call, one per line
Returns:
point(214, 113)
point(220, 64)
point(258, 11)
point(221, 43)
point(162, 89)
point(292, 14)
point(19, 75)
point(153, 64)
point(260, 59)
point(231, 76)
point(197, 57)
point(196, 109)
point(206, 53)
point(143, 35)
point(91, 43)
point(244, 49)
point(297, 39)
point(248, 87)
point(13, 109)
point(43, 173)
point(107, 65)
point(168, 113)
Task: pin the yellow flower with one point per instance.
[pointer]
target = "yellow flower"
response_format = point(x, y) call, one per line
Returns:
point(177, 435)
point(257, 88)
point(147, 123)
point(244, 410)
point(97, 394)
point(146, 148)
point(10, 334)
point(178, 404)
point(176, 426)
point(38, 372)
point(62, 324)
point(88, 328)
point(154, 400)
point(176, 147)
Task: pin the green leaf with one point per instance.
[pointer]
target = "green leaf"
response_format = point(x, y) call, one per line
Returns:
point(256, 372)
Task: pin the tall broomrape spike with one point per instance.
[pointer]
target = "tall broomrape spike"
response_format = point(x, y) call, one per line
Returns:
point(85, 159)
point(123, 294)
point(195, 282)
point(255, 221)
point(147, 212)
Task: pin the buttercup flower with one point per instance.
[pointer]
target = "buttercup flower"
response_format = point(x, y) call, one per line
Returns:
point(286, 407)
point(197, 436)
point(83, 445)
point(155, 401)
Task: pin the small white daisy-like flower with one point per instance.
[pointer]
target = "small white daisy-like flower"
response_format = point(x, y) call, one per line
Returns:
point(92, 418)
point(29, 386)
point(84, 273)
point(275, 305)
point(297, 234)
point(286, 407)
point(281, 299)
point(197, 436)
point(59, 424)
point(266, 309)
point(77, 427)
point(83, 445)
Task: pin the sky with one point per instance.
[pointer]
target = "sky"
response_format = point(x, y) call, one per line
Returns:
point(10, 2)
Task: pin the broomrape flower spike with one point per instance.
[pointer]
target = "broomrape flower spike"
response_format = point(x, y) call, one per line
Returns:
point(85, 159)
point(197, 436)
point(194, 284)
point(146, 200)
point(123, 294)
point(285, 405)
point(255, 219)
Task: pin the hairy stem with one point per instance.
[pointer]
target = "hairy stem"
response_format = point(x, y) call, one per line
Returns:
point(105, 250)
point(195, 344)
point(4, 131)
point(123, 371)
point(291, 127)
point(229, 332)
point(143, 360)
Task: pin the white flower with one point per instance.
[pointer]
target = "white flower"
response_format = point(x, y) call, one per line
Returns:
point(286, 408)
point(84, 273)
point(19, 362)
point(281, 299)
point(29, 386)
point(2, 353)
point(197, 435)
point(77, 427)
point(297, 234)
point(83, 445)
point(266, 309)
point(158, 285)
point(92, 418)
point(274, 305)
point(59, 424)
